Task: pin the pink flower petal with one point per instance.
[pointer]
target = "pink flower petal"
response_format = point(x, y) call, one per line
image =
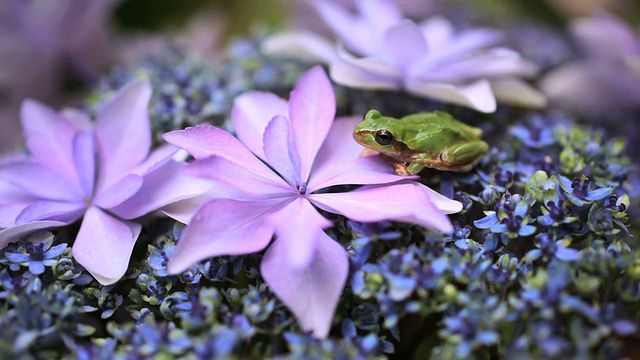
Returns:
point(380, 14)
point(49, 139)
point(251, 113)
point(104, 245)
point(204, 141)
point(163, 186)
point(477, 95)
point(10, 193)
point(361, 171)
point(280, 151)
point(156, 159)
point(9, 212)
point(444, 44)
point(446, 47)
point(312, 107)
point(78, 118)
point(605, 36)
point(404, 44)
point(338, 147)
point(84, 159)
point(292, 224)
point(39, 181)
point(406, 201)
point(438, 33)
point(184, 210)
point(123, 131)
point(511, 90)
point(467, 42)
point(14, 233)
point(443, 203)
point(371, 65)
point(66, 212)
point(365, 73)
point(488, 64)
point(353, 31)
point(237, 181)
point(224, 227)
point(312, 293)
point(299, 44)
point(119, 192)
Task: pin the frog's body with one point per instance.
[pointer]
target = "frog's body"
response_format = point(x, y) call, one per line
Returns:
point(428, 139)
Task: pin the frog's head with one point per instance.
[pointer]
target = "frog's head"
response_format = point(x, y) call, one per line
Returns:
point(377, 132)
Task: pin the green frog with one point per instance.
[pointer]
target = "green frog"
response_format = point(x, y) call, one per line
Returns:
point(426, 139)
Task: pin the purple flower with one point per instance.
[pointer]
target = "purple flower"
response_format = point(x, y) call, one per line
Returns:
point(382, 50)
point(305, 16)
point(608, 79)
point(272, 182)
point(37, 253)
point(101, 171)
point(547, 246)
point(44, 45)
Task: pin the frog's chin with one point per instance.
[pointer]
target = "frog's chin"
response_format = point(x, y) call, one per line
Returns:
point(395, 158)
point(401, 167)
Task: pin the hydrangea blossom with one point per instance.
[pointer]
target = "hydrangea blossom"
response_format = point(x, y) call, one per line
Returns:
point(44, 44)
point(101, 171)
point(270, 183)
point(381, 50)
point(304, 15)
point(608, 79)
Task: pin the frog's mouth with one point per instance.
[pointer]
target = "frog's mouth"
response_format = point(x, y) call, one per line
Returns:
point(401, 152)
point(396, 150)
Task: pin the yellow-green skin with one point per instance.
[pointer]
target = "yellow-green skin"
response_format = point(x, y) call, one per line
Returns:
point(427, 139)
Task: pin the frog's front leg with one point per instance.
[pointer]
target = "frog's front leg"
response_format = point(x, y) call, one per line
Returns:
point(402, 167)
point(413, 168)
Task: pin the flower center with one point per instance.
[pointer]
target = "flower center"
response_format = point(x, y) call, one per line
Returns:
point(302, 189)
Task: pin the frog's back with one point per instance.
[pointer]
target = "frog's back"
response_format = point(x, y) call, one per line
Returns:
point(437, 125)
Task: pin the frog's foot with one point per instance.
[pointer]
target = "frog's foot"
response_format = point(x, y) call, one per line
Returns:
point(401, 169)
point(407, 169)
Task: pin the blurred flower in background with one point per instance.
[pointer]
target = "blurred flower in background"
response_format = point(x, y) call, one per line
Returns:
point(305, 16)
point(48, 47)
point(50, 50)
point(606, 81)
point(378, 48)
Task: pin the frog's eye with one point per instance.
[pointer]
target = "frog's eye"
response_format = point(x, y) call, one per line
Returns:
point(384, 137)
